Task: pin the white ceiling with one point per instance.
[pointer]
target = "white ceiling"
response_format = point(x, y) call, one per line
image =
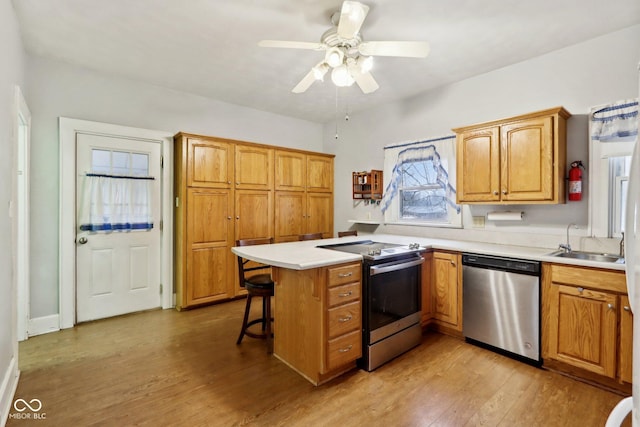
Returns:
point(209, 47)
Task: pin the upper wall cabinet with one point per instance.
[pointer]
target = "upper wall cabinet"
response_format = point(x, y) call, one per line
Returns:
point(290, 170)
point(513, 161)
point(254, 167)
point(319, 173)
point(209, 163)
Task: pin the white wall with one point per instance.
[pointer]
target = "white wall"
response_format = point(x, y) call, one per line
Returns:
point(594, 72)
point(11, 74)
point(57, 89)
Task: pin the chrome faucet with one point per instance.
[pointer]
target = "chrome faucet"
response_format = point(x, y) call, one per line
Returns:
point(622, 246)
point(567, 246)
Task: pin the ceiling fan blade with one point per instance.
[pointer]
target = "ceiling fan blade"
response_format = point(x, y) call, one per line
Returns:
point(365, 80)
point(352, 16)
point(305, 83)
point(292, 45)
point(405, 49)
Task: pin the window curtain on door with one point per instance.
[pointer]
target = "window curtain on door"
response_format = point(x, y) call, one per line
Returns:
point(617, 122)
point(116, 203)
point(422, 176)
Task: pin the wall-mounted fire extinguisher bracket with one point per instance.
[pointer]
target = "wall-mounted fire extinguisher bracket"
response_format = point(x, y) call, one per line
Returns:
point(575, 181)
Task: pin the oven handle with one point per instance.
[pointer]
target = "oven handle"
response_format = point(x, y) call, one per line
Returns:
point(393, 266)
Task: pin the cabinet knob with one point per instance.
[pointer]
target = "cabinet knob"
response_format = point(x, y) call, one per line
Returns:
point(581, 290)
point(237, 183)
point(228, 217)
point(237, 216)
point(626, 308)
point(495, 193)
point(610, 306)
point(228, 182)
point(452, 263)
point(504, 191)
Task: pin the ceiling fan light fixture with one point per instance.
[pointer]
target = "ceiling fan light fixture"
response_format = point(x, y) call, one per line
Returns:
point(334, 57)
point(341, 77)
point(320, 70)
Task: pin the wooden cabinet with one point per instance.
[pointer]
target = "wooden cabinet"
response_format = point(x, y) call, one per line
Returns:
point(307, 205)
point(582, 318)
point(625, 361)
point(209, 266)
point(446, 290)
point(367, 185)
point(318, 317)
point(253, 167)
point(516, 160)
point(426, 290)
point(300, 213)
point(224, 191)
point(209, 163)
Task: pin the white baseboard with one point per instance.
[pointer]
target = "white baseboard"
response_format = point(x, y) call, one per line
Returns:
point(8, 388)
point(43, 325)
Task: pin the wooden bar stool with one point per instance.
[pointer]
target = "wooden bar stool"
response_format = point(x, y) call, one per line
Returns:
point(347, 233)
point(310, 236)
point(257, 285)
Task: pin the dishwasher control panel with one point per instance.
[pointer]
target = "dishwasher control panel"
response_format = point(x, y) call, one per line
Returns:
point(501, 263)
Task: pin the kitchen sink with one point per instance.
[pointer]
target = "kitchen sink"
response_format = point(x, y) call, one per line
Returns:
point(589, 256)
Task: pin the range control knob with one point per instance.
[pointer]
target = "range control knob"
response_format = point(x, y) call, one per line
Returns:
point(414, 245)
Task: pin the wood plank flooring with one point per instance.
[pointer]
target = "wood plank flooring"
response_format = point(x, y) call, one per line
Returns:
point(183, 368)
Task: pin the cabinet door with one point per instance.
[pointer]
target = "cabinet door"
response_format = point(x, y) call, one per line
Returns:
point(209, 164)
point(319, 173)
point(290, 171)
point(289, 215)
point(626, 340)
point(582, 328)
point(446, 290)
point(253, 168)
point(426, 288)
point(254, 214)
point(319, 215)
point(209, 275)
point(478, 165)
point(527, 160)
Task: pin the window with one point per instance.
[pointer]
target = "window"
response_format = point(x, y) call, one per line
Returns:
point(422, 197)
point(123, 163)
point(420, 184)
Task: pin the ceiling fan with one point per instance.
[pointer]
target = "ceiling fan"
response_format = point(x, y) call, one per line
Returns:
point(346, 54)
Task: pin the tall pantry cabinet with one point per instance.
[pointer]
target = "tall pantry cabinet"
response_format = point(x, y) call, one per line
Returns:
point(224, 191)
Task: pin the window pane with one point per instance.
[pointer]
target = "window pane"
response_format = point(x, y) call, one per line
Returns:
point(120, 163)
point(100, 161)
point(619, 168)
point(423, 204)
point(139, 164)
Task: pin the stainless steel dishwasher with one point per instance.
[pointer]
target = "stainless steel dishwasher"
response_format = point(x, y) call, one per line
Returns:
point(501, 304)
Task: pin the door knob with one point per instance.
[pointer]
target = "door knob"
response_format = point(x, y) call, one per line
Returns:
point(82, 240)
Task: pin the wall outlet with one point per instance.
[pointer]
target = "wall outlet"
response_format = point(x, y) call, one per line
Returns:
point(478, 222)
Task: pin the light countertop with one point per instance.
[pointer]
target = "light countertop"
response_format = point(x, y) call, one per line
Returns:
point(305, 255)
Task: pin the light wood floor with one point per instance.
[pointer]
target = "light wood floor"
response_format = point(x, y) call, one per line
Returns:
point(170, 368)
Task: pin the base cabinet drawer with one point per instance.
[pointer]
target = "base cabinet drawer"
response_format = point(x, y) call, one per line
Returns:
point(343, 319)
point(344, 349)
point(344, 294)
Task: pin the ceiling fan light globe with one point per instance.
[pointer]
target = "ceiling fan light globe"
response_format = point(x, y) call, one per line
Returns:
point(319, 71)
point(334, 57)
point(341, 77)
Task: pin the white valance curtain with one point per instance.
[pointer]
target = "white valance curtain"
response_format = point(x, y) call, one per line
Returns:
point(442, 153)
point(617, 122)
point(115, 203)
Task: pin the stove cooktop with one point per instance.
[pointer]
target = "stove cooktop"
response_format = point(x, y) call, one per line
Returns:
point(375, 250)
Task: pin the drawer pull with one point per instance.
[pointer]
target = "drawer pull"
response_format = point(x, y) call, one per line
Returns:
point(345, 319)
point(345, 294)
point(344, 350)
point(581, 290)
point(626, 308)
point(349, 274)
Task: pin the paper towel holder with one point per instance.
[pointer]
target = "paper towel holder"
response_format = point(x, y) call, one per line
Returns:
point(505, 216)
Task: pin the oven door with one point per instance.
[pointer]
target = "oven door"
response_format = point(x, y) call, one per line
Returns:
point(392, 297)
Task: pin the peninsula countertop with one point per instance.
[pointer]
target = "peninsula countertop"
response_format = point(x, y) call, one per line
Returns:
point(305, 255)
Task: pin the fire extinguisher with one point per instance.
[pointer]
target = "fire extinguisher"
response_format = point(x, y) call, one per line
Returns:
point(575, 181)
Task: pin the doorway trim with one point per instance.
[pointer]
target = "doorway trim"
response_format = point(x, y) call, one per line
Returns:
point(67, 280)
point(20, 212)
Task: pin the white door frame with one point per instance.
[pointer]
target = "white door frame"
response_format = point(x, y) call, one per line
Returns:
point(68, 130)
point(20, 200)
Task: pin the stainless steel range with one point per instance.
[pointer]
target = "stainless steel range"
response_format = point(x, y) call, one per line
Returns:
point(390, 298)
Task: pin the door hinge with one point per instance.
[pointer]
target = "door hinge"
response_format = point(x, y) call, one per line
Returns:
point(160, 287)
point(161, 225)
point(161, 162)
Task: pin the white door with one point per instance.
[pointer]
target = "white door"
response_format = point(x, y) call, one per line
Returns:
point(118, 262)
